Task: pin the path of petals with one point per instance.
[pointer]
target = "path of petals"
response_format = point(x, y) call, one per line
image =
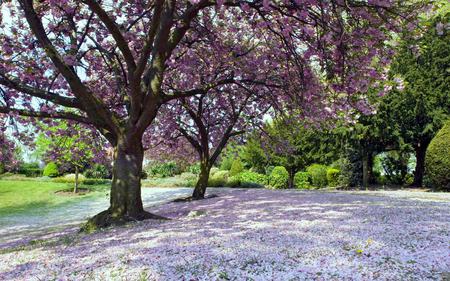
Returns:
point(257, 235)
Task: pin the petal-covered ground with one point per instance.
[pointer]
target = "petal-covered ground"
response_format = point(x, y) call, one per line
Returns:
point(257, 235)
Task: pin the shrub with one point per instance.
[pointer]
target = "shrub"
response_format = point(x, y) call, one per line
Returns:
point(162, 170)
point(318, 174)
point(333, 176)
point(96, 181)
point(248, 178)
point(194, 168)
point(51, 170)
point(279, 177)
point(213, 171)
point(226, 163)
point(437, 160)
point(302, 180)
point(98, 171)
point(236, 167)
point(30, 170)
point(233, 181)
point(218, 179)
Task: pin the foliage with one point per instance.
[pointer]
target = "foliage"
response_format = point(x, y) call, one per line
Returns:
point(333, 176)
point(30, 169)
point(51, 170)
point(279, 177)
point(98, 171)
point(248, 178)
point(438, 160)
point(194, 168)
point(302, 180)
point(218, 179)
point(162, 170)
point(234, 181)
point(236, 167)
point(395, 165)
point(318, 174)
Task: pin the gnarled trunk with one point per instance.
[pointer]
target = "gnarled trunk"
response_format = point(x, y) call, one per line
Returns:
point(202, 183)
point(125, 198)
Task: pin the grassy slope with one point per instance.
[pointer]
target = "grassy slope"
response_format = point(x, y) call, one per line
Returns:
point(23, 196)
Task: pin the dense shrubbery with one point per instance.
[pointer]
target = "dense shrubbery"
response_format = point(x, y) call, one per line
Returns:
point(98, 171)
point(236, 167)
point(333, 177)
point(218, 179)
point(30, 170)
point(437, 167)
point(194, 168)
point(302, 180)
point(279, 177)
point(51, 170)
point(162, 170)
point(318, 174)
point(248, 178)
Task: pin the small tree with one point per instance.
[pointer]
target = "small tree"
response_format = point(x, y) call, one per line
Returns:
point(77, 148)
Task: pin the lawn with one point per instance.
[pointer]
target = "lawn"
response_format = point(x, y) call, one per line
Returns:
point(257, 235)
point(27, 196)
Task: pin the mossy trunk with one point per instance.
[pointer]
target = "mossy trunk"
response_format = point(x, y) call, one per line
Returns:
point(125, 198)
point(202, 182)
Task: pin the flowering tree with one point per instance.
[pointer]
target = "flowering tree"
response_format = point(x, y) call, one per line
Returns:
point(104, 63)
point(8, 154)
point(71, 144)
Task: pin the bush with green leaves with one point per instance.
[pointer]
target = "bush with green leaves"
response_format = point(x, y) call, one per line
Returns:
point(194, 168)
point(236, 167)
point(51, 170)
point(98, 171)
point(234, 181)
point(279, 177)
point(333, 176)
point(318, 174)
point(30, 170)
point(218, 179)
point(248, 178)
point(302, 180)
point(437, 160)
point(162, 170)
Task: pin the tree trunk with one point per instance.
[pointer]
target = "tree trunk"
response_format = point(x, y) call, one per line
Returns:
point(125, 198)
point(202, 183)
point(365, 167)
point(75, 189)
point(291, 183)
point(421, 150)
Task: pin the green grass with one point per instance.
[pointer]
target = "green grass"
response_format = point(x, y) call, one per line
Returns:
point(26, 196)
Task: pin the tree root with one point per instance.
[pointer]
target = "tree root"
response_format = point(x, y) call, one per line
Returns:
point(107, 219)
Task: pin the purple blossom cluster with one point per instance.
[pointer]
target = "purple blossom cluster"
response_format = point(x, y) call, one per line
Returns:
point(258, 235)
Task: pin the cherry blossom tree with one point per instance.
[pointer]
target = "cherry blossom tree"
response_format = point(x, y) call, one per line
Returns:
point(104, 63)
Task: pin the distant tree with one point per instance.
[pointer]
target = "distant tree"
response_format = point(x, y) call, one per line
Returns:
point(422, 65)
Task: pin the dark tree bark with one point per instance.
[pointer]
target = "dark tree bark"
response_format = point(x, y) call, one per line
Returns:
point(365, 167)
point(202, 183)
point(420, 151)
point(125, 199)
point(291, 183)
